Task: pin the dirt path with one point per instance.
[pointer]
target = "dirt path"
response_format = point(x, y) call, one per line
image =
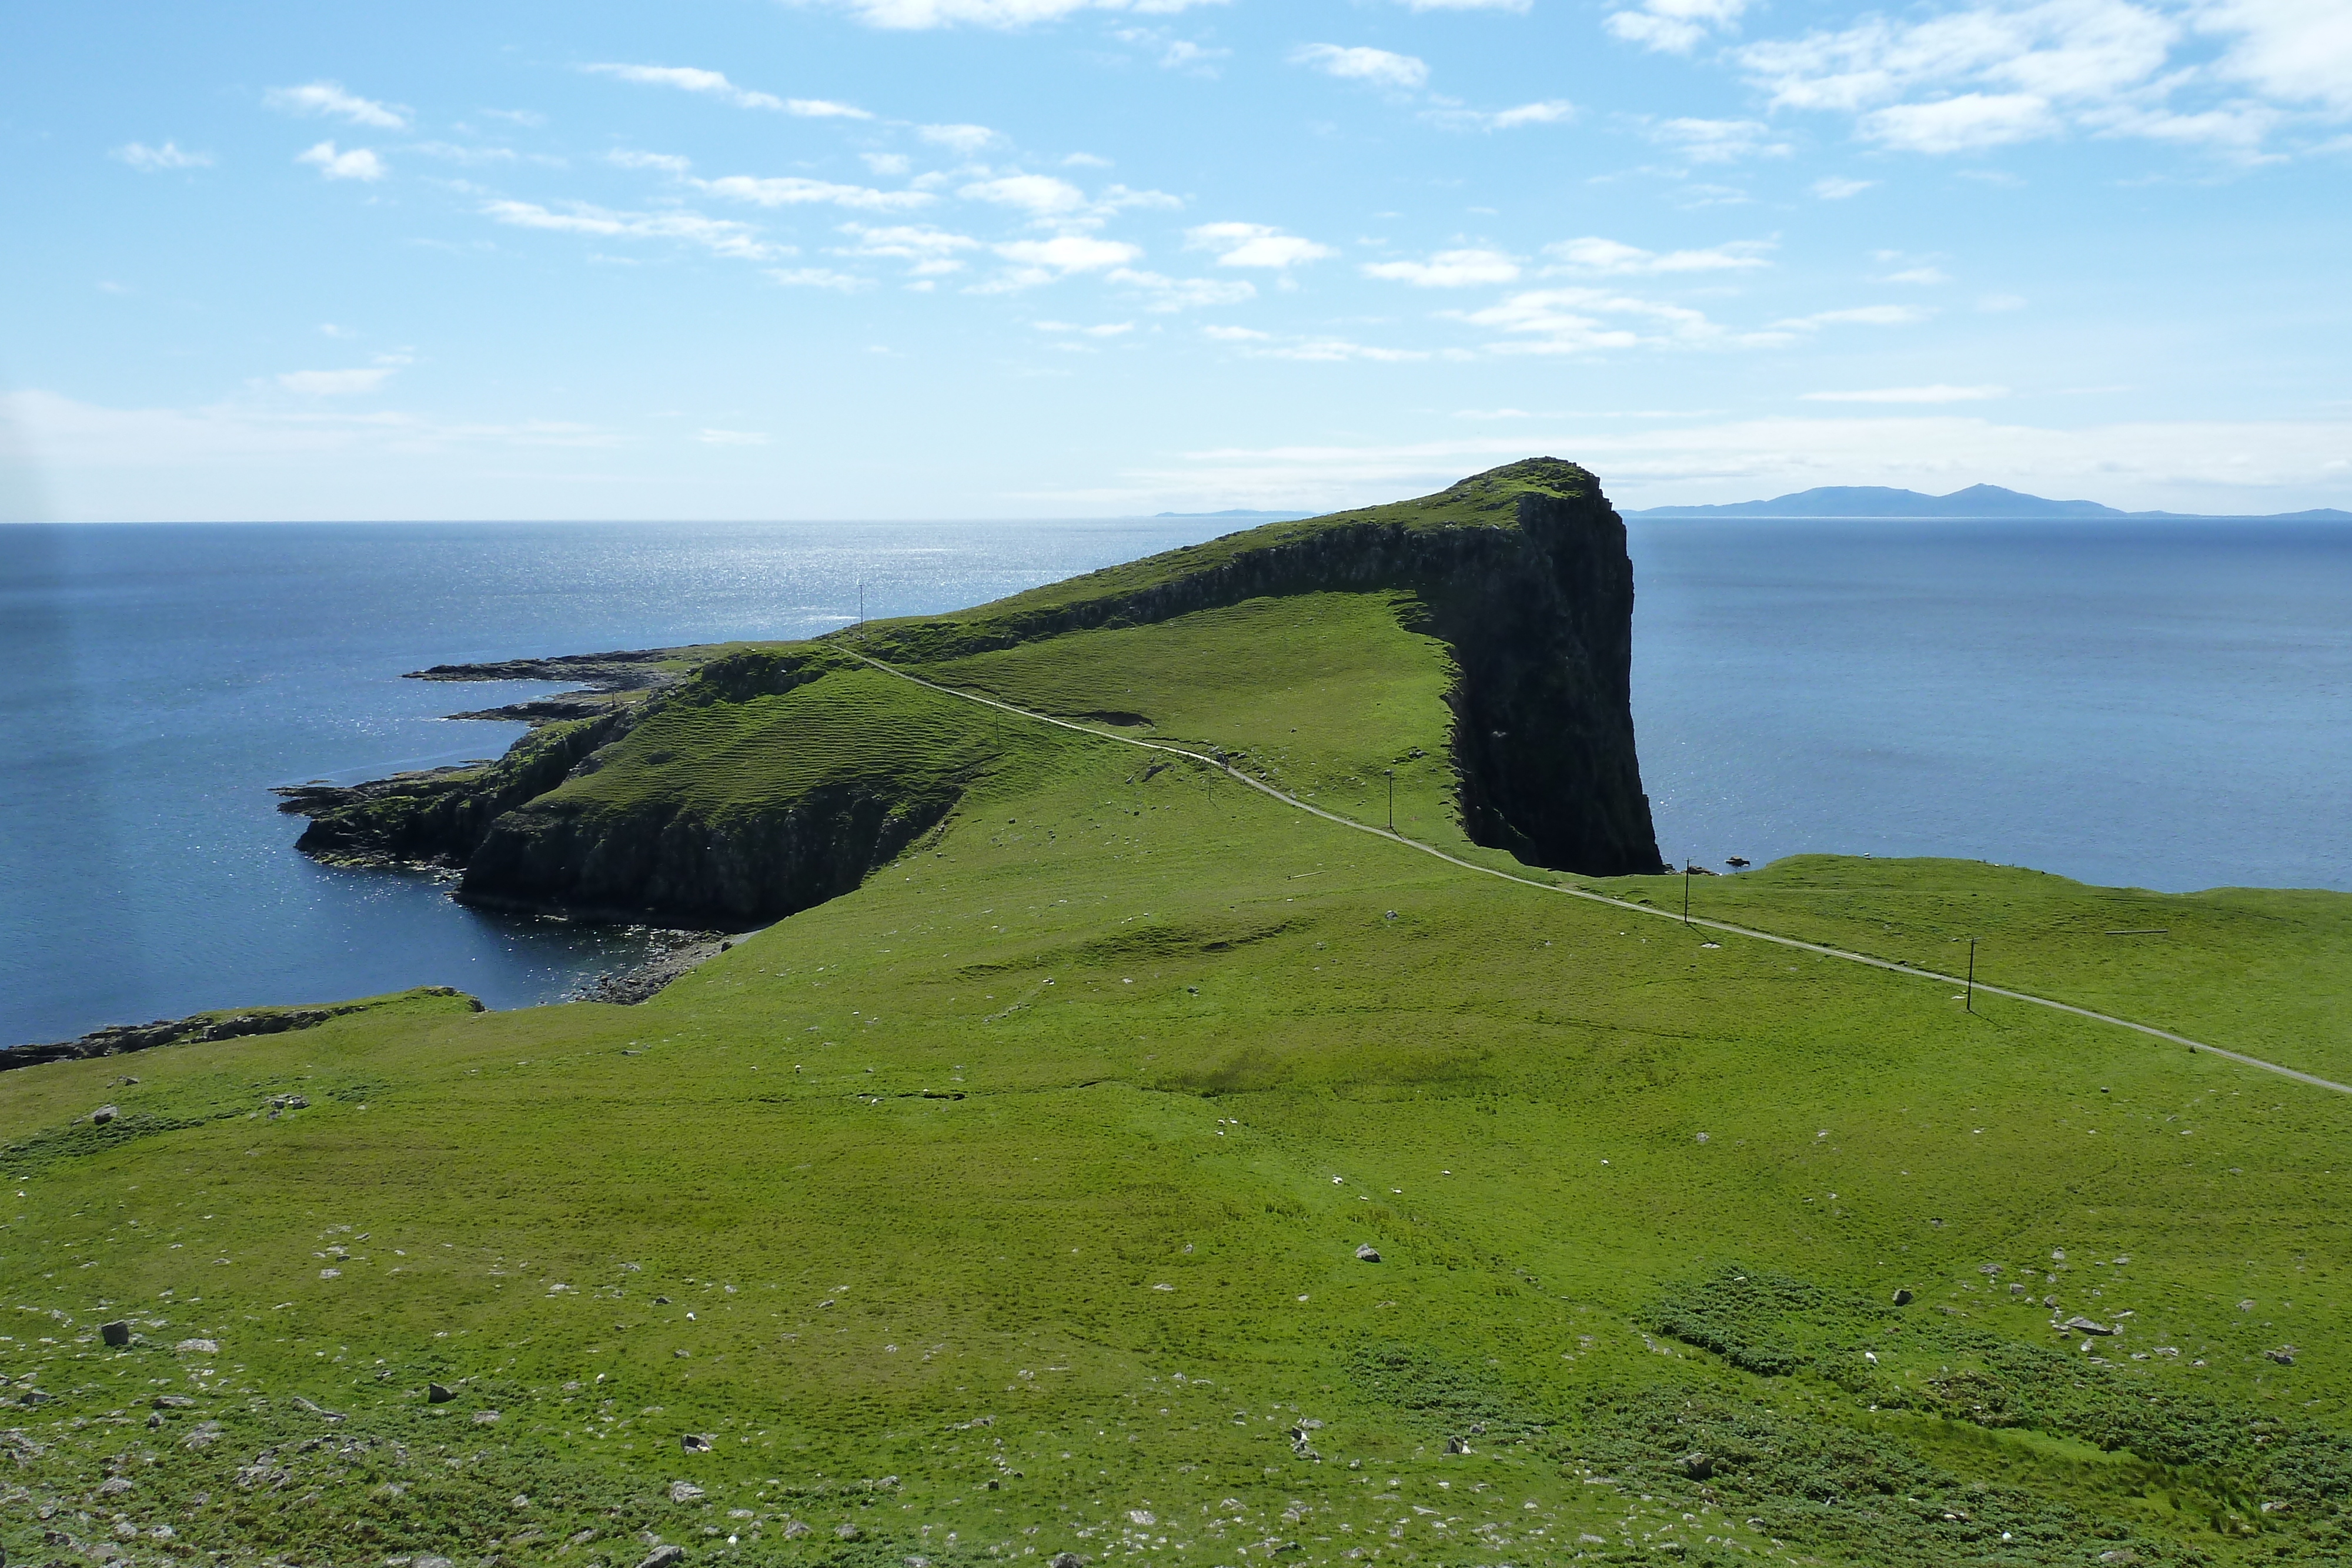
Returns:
point(1587, 895)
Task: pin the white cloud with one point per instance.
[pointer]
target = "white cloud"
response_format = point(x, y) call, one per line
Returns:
point(934, 252)
point(359, 163)
point(1255, 245)
point(722, 235)
point(2298, 50)
point(1718, 140)
point(1836, 188)
point(1937, 393)
point(889, 165)
point(1166, 294)
point(1513, 6)
point(1999, 72)
point(1235, 334)
point(1378, 67)
point(1675, 26)
point(335, 383)
point(965, 140)
point(731, 438)
point(1550, 112)
point(330, 99)
point(1085, 161)
point(824, 109)
point(155, 160)
point(667, 162)
point(1576, 321)
point(1334, 351)
point(689, 78)
point(1065, 254)
point(1613, 257)
point(1858, 315)
point(819, 277)
point(1039, 196)
point(1449, 269)
point(1965, 124)
point(1921, 275)
point(1106, 330)
point(794, 190)
point(918, 15)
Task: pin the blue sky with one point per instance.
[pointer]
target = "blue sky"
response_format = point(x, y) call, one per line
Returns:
point(872, 259)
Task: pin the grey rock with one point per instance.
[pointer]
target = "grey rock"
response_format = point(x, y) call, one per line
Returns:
point(2084, 1325)
point(848, 1532)
point(116, 1333)
point(104, 1115)
point(1067, 1560)
point(435, 1394)
point(1368, 1253)
point(1903, 1298)
point(2283, 1356)
point(794, 1529)
point(1457, 1444)
point(1698, 1467)
point(173, 1402)
point(694, 1443)
point(663, 1557)
point(113, 1486)
point(684, 1491)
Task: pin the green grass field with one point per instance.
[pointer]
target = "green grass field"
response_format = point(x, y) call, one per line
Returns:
point(1010, 1204)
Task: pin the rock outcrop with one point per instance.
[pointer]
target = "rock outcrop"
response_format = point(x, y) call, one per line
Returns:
point(1522, 572)
point(117, 1040)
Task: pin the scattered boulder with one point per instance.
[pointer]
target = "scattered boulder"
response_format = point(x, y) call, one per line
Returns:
point(2283, 1356)
point(198, 1347)
point(1457, 1444)
point(659, 1557)
point(431, 1563)
point(694, 1443)
point(113, 1486)
point(319, 1410)
point(848, 1532)
point(435, 1394)
point(1698, 1467)
point(116, 1333)
point(1067, 1560)
point(1903, 1298)
point(103, 1114)
point(794, 1529)
point(1368, 1253)
point(684, 1491)
point(173, 1402)
point(2084, 1325)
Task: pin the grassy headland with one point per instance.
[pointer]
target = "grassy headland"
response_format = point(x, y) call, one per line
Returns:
point(1010, 1203)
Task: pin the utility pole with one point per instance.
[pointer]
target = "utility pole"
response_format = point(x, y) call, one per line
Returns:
point(1686, 876)
point(1391, 772)
point(1971, 1004)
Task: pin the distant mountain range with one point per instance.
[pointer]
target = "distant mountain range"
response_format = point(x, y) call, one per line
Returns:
point(1986, 501)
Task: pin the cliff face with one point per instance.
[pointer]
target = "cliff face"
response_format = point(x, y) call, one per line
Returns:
point(1522, 572)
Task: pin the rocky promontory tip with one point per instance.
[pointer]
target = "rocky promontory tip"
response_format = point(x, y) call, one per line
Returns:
point(117, 1040)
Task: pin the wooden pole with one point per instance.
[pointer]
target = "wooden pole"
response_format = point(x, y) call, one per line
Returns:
point(1971, 1005)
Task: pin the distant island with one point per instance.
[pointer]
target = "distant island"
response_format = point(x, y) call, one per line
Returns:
point(1978, 501)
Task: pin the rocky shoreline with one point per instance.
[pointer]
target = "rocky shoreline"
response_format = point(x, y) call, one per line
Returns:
point(121, 1038)
point(677, 953)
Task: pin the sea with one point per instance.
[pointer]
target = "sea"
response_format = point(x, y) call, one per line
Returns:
point(2164, 705)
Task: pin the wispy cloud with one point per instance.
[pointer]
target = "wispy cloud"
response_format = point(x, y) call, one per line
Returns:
point(359, 163)
point(965, 140)
point(328, 98)
point(1039, 196)
point(1592, 320)
point(819, 277)
point(1549, 111)
point(1674, 26)
point(731, 437)
point(722, 235)
point(1836, 188)
point(933, 252)
point(1375, 68)
point(1449, 269)
point(1718, 140)
point(1165, 294)
point(155, 160)
point(1613, 257)
point(912, 15)
point(1065, 254)
point(794, 190)
point(1255, 245)
point(1858, 315)
point(336, 383)
point(1937, 393)
point(670, 164)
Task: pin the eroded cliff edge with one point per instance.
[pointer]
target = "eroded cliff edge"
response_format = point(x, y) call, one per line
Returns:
point(724, 795)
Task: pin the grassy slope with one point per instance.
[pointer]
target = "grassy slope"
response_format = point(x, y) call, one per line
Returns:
point(1265, 1040)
